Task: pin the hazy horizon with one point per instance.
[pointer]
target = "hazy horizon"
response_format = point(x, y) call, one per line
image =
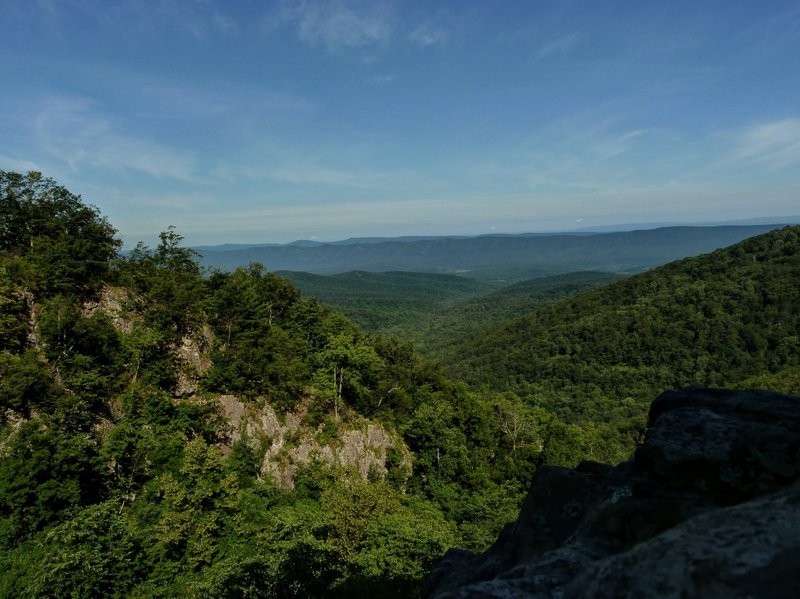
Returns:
point(242, 121)
point(612, 228)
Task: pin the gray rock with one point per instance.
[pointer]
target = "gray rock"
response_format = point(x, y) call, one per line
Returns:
point(708, 507)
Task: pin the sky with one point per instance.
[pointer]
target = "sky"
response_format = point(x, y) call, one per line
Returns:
point(255, 122)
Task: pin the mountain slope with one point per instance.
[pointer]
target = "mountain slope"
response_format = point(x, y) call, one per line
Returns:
point(404, 304)
point(436, 311)
point(167, 434)
point(716, 319)
point(515, 257)
point(459, 322)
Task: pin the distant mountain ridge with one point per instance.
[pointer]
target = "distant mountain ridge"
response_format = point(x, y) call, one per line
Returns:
point(513, 257)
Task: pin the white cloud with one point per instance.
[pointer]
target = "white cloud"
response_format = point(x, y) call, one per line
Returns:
point(557, 46)
point(353, 178)
point(775, 145)
point(19, 165)
point(178, 201)
point(428, 34)
point(382, 79)
point(73, 131)
point(182, 100)
point(198, 18)
point(613, 145)
point(337, 24)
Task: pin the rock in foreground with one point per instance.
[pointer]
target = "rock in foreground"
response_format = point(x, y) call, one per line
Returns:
point(708, 507)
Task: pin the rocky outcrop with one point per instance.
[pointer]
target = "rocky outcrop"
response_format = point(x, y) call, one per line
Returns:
point(360, 447)
point(708, 507)
point(193, 360)
point(112, 302)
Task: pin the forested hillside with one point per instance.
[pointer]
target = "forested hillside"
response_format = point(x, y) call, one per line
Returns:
point(172, 432)
point(169, 433)
point(437, 311)
point(729, 318)
point(402, 304)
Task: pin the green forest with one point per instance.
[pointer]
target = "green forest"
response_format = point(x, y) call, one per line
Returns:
point(438, 311)
point(174, 431)
point(730, 318)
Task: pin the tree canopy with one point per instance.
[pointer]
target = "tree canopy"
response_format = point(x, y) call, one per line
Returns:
point(62, 244)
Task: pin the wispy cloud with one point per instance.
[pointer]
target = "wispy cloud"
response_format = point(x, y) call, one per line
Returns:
point(73, 131)
point(181, 100)
point(614, 145)
point(328, 176)
point(383, 79)
point(199, 18)
point(354, 217)
point(775, 32)
point(17, 164)
point(176, 201)
point(775, 144)
point(336, 24)
point(557, 45)
point(428, 34)
point(334, 177)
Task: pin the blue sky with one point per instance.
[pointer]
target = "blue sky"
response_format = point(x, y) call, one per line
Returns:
point(273, 121)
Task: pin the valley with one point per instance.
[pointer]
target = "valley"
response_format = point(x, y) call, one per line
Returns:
point(171, 430)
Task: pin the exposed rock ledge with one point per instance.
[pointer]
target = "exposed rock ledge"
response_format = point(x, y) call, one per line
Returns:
point(360, 447)
point(708, 507)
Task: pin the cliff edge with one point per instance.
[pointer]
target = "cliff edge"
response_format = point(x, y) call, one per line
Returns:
point(708, 507)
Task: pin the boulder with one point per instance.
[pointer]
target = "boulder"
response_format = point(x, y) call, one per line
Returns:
point(709, 506)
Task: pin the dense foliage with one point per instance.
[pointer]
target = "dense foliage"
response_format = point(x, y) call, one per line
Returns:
point(437, 311)
point(120, 475)
point(729, 318)
point(59, 244)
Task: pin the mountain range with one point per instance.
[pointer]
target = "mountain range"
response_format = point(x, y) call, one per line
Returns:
point(489, 257)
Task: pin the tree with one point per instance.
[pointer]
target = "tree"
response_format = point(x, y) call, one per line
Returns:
point(197, 504)
point(56, 243)
point(516, 424)
point(13, 313)
point(167, 281)
point(260, 351)
point(44, 472)
point(348, 373)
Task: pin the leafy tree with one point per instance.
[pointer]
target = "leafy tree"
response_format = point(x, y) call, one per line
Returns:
point(167, 284)
point(43, 473)
point(13, 312)
point(197, 503)
point(93, 554)
point(258, 352)
point(26, 383)
point(347, 373)
point(57, 243)
point(85, 352)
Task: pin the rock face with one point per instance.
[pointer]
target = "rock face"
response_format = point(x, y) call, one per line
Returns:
point(708, 507)
point(360, 447)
